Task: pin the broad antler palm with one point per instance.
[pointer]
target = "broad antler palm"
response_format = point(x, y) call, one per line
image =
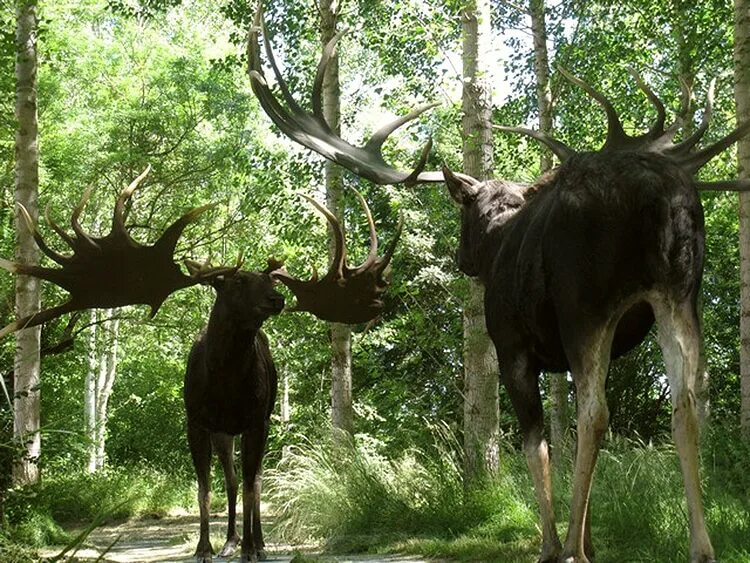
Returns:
point(657, 139)
point(343, 294)
point(311, 129)
point(110, 271)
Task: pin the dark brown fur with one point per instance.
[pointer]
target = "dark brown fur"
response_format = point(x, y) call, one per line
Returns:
point(230, 389)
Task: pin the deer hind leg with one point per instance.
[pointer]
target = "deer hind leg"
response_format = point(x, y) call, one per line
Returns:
point(199, 441)
point(589, 361)
point(522, 384)
point(224, 446)
point(679, 334)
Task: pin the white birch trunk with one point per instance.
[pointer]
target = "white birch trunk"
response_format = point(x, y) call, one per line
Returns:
point(558, 382)
point(342, 411)
point(481, 411)
point(27, 362)
point(742, 98)
point(89, 397)
point(285, 407)
point(107, 373)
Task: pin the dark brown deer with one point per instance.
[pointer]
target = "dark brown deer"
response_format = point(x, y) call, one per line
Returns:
point(230, 390)
point(576, 269)
point(230, 381)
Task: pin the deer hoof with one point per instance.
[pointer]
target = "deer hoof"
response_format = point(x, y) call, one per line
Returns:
point(249, 558)
point(230, 546)
point(204, 554)
point(262, 555)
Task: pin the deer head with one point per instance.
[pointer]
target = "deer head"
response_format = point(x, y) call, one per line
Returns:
point(344, 294)
point(113, 270)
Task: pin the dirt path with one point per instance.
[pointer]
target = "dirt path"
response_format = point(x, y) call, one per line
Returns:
point(172, 540)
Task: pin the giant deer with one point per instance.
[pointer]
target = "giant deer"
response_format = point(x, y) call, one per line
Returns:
point(230, 381)
point(576, 268)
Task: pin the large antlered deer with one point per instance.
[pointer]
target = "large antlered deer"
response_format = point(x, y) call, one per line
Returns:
point(230, 381)
point(576, 269)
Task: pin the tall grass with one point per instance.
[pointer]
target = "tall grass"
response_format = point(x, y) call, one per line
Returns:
point(350, 496)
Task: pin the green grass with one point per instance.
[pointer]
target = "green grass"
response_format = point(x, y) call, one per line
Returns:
point(35, 514)
point(352, 498)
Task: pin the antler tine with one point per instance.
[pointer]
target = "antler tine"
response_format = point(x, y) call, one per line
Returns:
point(739, 185)
point(254, 58)
point(378, 138)
point(696, 161)
point(58, 229)
point(373, 252)
point(657, 129)
point(168, 240)
point(56, 256)
point(50, 274)
point(89, 243)
point(38, 318)
point(118, 216)
point(391, 248)
point(329, 52)
point(685, 146)
point(615, 133)
point(561, 150)
point(338, 262)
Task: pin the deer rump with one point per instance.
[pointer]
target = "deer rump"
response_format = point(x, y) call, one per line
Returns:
point(587, 242)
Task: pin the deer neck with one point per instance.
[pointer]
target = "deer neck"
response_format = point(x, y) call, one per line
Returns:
point(227, 339)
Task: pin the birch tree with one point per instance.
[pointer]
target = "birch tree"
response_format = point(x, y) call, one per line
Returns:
point(558, 382)
point(342, 412)
point(100, 378)
point(481, 381)
point(742, 99)
point(27, 364)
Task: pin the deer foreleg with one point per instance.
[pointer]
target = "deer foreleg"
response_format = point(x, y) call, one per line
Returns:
point(200, 450)
point(224, 446)
point(253, 444)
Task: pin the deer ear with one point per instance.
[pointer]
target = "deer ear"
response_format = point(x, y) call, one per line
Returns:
point(217, 282)
point(461, 191)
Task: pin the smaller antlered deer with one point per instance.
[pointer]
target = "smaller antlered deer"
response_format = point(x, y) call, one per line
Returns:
point(230, 390)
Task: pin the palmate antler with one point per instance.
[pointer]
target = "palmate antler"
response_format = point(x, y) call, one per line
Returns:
point(113, 270)
point(657, 139)
point(311, 129)
point(343, 294)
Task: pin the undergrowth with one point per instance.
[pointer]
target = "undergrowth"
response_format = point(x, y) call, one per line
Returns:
point(35, 514)
point(350, 497)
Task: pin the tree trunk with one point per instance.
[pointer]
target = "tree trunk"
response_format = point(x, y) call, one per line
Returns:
point(285, 407)
point(106, 380)
point(558, 382)
point(89, 396)
point(742, 98)
point(27, 364)
point(481, 411)
point(342, 412)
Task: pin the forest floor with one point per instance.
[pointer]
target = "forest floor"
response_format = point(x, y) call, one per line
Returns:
point(172, 539)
